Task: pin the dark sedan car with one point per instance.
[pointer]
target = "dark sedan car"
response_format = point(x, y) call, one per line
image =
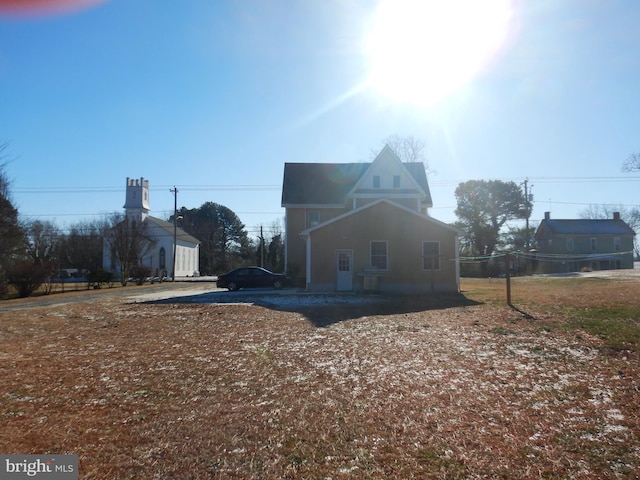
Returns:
point(251, 277)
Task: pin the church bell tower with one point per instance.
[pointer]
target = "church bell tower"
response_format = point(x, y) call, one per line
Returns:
point(137, 202)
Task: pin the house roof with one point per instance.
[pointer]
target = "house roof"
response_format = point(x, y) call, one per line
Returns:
point(586, 227)
point(330, 183)
point(181, 235)
point(374, 204)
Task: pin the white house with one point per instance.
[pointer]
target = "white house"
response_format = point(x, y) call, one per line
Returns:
point(161, 233)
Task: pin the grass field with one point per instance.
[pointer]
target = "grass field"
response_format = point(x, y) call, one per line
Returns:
point(450, 387)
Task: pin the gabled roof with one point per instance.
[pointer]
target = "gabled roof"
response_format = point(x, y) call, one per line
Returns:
point(319, 183)
point(181, 235)
point(586, 227)
point(331, 183)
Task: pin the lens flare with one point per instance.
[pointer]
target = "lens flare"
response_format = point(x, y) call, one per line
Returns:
point(422, 50)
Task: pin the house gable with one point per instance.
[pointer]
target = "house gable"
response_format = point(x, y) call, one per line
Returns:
point(356, 211)
point(337, 185)
point(388, 177)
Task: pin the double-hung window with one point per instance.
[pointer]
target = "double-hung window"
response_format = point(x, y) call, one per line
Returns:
point(431, 255)
point(379, 255)
point(569, 244)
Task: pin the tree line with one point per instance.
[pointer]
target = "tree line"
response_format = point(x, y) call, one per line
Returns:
point(32, 252)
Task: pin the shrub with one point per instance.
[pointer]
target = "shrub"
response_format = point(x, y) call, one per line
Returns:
point(99, 277)
point(139, 273)
point(27, 277)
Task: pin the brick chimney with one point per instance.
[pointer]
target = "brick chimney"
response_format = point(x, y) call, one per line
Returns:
point(616, 215)
point(547, 215)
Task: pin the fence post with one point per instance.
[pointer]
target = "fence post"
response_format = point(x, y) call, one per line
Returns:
point(507, 259)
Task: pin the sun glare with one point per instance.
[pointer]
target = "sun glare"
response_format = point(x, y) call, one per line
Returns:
point(422, 50)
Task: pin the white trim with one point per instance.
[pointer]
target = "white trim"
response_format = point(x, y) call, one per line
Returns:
point(386, 150)
point(355, 211)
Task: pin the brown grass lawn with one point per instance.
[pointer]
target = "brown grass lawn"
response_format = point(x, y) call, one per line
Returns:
point(461, 387)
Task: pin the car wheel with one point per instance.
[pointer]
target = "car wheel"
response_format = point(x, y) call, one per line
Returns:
point(277, 284)
point(233, 286)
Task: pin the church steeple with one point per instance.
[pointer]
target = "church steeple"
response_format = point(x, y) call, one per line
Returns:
point(137, 202)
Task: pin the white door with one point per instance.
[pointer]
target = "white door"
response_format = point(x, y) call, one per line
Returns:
point(344, 268)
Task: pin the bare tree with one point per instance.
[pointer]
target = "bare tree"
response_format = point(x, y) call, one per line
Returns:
point(408, 149)
point(128, 241)
point(82, 246)
point(632, 164)
point(43, 249)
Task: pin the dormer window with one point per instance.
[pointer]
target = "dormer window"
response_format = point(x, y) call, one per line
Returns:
point(376, 181)
point(396, 181)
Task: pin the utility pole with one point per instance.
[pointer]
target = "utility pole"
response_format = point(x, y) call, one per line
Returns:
point(261, 248)
point(529, 199)
point(174, 190)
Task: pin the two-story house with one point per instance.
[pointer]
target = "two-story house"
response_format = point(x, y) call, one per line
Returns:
point(574, 244)
point(366, 226)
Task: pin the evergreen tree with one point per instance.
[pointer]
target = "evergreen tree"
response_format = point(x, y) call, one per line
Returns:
point(483, 208)
point(224, 242)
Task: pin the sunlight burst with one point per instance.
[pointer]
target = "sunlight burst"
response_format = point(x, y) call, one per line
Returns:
point(420, 51)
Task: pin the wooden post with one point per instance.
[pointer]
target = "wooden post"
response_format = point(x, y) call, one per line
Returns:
point(507, 260)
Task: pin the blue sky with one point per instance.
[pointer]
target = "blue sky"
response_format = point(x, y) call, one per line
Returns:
point(214, 97)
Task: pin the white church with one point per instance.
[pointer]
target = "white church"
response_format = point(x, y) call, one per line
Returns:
point(159, 256)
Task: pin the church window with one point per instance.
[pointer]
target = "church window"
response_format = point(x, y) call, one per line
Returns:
point(163, 256)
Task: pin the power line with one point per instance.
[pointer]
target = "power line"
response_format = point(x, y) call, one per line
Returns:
point(191, 188)
point(616, 179)
point(272, 187)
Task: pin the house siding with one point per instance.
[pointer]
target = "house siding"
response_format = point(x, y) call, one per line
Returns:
point(295, 245)
point(404, 233)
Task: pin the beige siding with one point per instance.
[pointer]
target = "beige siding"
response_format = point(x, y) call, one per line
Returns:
point(296, 219)
point(404, 233)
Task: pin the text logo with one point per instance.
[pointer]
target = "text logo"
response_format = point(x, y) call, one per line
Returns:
point(49, 467)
